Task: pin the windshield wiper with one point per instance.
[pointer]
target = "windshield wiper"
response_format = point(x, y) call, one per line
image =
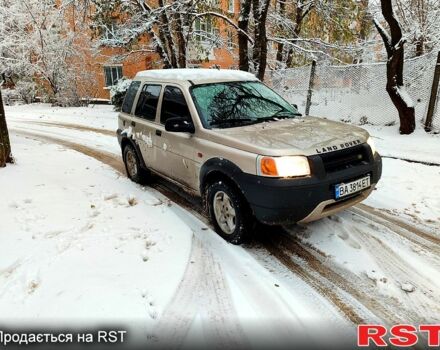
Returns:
point(230, 121)
point(278, 116)
point(285, 114)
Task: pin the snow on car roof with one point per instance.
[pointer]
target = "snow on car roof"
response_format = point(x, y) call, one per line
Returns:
point(196, 75)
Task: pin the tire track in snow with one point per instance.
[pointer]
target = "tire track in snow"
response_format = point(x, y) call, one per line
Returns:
point(309, 278)
point(408, 231)
point(70, 126)
point(347, 291)
point(202, 291)
point(424, 301)
point(422, 243)
point(102, 156)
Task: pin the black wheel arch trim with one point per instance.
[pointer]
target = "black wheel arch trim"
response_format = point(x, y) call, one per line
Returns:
point(221, 166)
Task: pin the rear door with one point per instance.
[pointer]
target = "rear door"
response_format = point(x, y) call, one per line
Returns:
point(175, 150)
point(145, 114)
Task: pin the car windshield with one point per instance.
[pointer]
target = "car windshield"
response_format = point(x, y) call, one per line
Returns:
point(233, 104)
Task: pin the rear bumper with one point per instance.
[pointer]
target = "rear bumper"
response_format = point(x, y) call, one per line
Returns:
point(283, 201)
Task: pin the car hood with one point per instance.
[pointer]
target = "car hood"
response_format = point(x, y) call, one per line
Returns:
point(300, 136)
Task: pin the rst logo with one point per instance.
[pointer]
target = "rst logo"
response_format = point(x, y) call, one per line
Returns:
point(402, 335)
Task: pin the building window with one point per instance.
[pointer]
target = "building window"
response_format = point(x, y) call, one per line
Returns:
point(230, 40)
point(214, 3)
point(112, 75)
point(217, 39)
point(204, 30)
point(231, 6)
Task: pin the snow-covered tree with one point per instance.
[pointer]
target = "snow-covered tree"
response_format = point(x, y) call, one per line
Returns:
point(420, 21)
point(394, 44)
point(168, 28)
point(319, 29)
point(41, 46)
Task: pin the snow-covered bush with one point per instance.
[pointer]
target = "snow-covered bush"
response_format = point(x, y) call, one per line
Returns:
point(10, 97)
point(118, 91)
point(27, 90)
point(38, 44)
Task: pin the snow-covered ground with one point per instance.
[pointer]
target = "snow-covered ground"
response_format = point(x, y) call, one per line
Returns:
point(82, 245)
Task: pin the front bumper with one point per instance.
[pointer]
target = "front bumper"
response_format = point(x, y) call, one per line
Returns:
point(283, 201)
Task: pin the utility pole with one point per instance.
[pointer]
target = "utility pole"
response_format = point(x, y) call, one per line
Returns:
point(311, 86)
point(433, 99)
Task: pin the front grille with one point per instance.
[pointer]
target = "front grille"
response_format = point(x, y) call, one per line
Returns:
point(344, 159)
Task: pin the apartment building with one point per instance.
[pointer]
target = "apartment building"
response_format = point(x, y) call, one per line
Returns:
point(214, 44)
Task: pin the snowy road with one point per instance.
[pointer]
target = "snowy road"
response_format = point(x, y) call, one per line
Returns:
point(362, 265)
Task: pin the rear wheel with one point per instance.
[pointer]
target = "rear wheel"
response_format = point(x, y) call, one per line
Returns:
point(133, 165)
point(229, 212)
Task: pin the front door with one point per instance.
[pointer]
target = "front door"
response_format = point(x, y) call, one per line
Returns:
point(175, 150)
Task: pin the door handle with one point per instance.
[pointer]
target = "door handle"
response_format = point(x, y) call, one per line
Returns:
point(133, 123)
point(158, 133)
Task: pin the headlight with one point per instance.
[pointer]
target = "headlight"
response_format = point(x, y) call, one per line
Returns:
point(372, 145)
point(290, 166)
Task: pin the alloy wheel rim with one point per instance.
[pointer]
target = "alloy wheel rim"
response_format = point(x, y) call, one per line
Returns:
point(224, 212)
point(131, 163)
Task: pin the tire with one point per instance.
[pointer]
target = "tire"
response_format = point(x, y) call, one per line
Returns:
point(229, 212)
point(133, 167)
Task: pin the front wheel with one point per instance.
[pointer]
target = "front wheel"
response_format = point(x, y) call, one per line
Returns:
point(229, 212)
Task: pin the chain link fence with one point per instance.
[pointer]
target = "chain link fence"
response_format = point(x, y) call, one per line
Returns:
point(356, 93)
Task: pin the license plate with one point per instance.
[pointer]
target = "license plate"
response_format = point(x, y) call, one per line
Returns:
point(343, 190)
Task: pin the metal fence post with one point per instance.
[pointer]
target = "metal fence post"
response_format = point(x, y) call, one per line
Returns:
point(433, 99)
point(311, 85)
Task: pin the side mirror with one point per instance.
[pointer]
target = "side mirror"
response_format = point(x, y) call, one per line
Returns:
point(179, 124)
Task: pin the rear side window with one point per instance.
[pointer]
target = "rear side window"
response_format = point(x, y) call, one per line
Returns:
point(173, 104)
point(147, 102)
point(130, 96)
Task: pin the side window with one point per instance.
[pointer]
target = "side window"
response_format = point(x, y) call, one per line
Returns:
point(112, 75)
point(173, 104)
point(130, 96)
point(147, 102)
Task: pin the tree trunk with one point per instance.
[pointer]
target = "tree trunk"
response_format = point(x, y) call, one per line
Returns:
point(165, 35)
point(243, 24)
point(300, 13)
point(394, 45)
point(260, 46)
point(280, 48)
point(5, 145)
point(181, 42)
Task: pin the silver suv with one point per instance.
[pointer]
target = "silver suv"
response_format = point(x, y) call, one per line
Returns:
point(225, 136)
